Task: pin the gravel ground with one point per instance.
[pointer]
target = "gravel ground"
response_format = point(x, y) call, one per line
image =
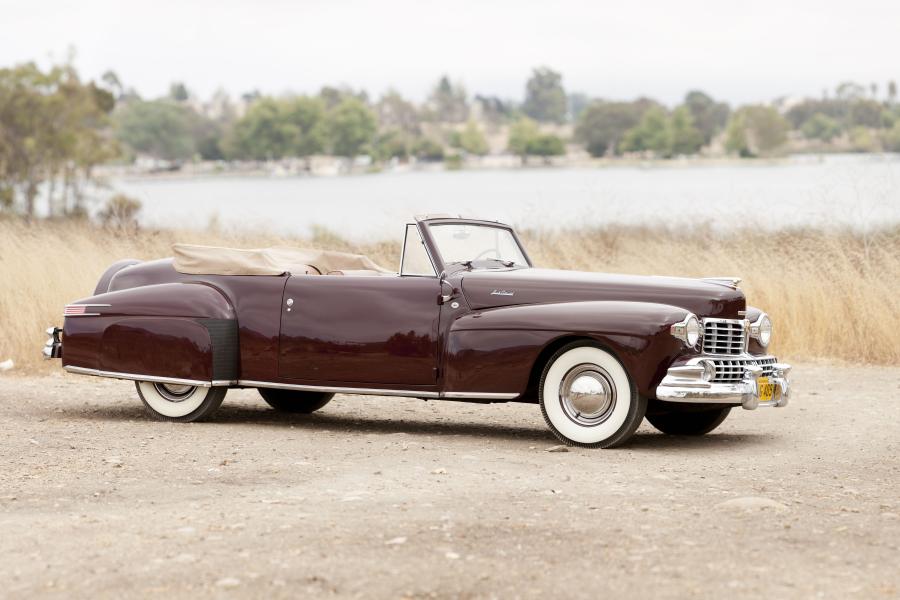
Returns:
point(389, 497)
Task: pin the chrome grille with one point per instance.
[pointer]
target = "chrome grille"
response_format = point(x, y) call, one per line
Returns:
point(732, 369)
point(724, 336)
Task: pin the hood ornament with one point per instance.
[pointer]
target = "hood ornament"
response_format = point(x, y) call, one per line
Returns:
point(502, 293)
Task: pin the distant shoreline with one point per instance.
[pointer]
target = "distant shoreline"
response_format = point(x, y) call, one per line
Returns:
point(329, 166)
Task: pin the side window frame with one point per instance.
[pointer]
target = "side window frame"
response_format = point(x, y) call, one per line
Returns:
point(406, 240)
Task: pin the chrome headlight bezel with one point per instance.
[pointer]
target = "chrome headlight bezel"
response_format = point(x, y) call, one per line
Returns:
point(761, 330)
point(689, 330)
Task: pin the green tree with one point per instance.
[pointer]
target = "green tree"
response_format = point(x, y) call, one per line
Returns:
point(708, 116)
point(525, 139)
point(545, 98)
point(651, 134)
point(351, 126)
point(547, 145)
point(472, 140)
point(178, 92)
point(158, 128)
point(395, 112)
point(756, 130)
point(522, 134)
point(332, 96)
point(53, 132)
point(495, 110)
point(821, 127)
point(307, 116)
point(391, 144)
point(427, 149)
point(448, 102)
point(891, 138)
point(863, 140)
point(603, 124)
point(685, 137)
point(277, 128)
point(866, 113)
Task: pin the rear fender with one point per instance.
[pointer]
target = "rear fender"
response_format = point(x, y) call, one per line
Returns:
point(175, 330)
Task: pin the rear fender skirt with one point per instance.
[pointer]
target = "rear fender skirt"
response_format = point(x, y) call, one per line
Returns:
point(176, 331)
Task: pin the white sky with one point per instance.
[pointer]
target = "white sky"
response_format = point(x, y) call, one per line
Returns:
point(738, 51)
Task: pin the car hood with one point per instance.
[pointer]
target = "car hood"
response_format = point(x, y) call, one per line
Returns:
point(494, 288)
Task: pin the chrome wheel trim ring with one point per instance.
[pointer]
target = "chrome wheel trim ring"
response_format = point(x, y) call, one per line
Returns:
point(174, 392)
point(587, 395)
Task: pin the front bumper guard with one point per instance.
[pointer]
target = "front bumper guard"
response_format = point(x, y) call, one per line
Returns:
point(686, 383)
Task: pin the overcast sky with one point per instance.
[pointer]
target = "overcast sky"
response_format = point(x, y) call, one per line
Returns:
point(739, 51)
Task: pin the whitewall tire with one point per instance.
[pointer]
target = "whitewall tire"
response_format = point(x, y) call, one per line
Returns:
point(183, 403)
point(588, 399)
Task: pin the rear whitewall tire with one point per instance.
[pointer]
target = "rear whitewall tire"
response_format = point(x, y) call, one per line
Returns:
point(179, 403)
point(619, 408)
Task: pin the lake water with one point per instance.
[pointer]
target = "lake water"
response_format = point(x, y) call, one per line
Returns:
point(860, 191)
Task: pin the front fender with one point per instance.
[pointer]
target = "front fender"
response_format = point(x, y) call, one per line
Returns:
point(176, 330)
point(497, 350)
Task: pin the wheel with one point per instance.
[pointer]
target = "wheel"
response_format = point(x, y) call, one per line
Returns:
point(182, 403)
point(689, 422)
point(293, 401)
point(588, 399)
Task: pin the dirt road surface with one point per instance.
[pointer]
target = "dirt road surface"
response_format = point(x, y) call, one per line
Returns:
point(391, 498)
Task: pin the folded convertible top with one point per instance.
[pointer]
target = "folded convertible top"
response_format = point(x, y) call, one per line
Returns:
point(212, 260)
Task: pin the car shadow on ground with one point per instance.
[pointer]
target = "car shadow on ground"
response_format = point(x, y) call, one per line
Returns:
point(352, 424)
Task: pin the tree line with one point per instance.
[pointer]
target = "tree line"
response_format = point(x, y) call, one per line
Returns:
point(55, 128)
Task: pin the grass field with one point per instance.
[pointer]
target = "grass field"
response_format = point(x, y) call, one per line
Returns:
point(830, 295)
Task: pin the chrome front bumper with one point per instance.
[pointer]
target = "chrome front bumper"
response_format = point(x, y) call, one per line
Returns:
point(686, 383)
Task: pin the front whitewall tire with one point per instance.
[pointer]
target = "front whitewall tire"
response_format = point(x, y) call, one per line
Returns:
point(613, 410)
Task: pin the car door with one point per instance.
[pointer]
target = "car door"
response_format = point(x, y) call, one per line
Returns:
point(360, 329)
point(351, 329)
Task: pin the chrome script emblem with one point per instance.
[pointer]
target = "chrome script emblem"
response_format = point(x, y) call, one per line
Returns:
point(502, 293)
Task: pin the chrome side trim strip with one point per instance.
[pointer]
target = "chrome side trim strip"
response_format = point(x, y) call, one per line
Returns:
point(337, 390)
point(377, 391)
point(480, 395)
point(290, 386)
point(151, 378)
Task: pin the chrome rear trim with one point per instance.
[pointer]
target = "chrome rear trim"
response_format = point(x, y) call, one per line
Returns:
point(150, 378)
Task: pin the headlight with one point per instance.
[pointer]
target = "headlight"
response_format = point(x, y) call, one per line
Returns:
point(688, 330)
point(761, 330)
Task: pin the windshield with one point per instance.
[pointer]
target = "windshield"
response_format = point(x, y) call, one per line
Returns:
point(468, 243)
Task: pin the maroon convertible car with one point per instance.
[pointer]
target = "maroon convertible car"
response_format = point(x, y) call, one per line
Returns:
point(467, 317)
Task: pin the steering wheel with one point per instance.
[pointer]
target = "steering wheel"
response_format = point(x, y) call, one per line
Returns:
point(482, 254)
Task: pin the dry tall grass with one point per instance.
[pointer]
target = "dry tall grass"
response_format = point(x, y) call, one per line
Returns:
point(830, 294)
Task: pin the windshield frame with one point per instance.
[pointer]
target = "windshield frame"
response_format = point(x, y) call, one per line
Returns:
point(434, 251)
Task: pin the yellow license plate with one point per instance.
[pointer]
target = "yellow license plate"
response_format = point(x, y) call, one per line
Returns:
point(766, 389)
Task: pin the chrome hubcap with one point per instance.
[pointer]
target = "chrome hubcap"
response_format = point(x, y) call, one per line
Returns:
point(587, 395)
point(173, 392)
